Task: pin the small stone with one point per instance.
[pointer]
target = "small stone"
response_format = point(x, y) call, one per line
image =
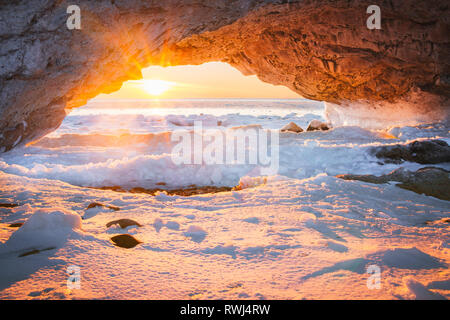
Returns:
point(317, 125)
point(125, 241)
point(16, 225)
point(96, 204)
point(8, 205)
point(291, 127)
point(123, 223)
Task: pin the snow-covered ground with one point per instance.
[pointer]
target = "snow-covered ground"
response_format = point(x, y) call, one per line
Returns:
point(302, 233)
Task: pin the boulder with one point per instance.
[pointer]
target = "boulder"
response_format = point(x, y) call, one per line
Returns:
point(430, 181)
point(317, 125)
point(423, 152)
point(291, 127)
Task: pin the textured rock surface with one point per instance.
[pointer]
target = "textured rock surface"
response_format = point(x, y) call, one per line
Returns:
point(424, 152)
point(429, 181)
point(291, 127)
point(125, 241)
point(320, 49)
point(123, 223)
point(317, 125)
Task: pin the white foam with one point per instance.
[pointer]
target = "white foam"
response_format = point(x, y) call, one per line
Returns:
point(46, 228)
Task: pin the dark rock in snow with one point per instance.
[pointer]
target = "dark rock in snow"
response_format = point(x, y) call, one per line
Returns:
point(96, 204)
point(125, 241)
point(8, 205)
point(430, 181)
point(291, 127)
point(317, 125)
point(123, 223)
point(424, 152)
point(16, 225)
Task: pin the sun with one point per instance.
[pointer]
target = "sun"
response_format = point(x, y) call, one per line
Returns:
point(157, 87)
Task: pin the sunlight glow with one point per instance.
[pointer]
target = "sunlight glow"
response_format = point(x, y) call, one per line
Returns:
point(212, 80)
point(156, 87)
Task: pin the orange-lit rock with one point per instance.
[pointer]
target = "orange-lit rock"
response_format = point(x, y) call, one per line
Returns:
point(320, 49)
point(291, 127)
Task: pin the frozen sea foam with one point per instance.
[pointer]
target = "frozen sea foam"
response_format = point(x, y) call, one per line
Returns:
point(46, 228)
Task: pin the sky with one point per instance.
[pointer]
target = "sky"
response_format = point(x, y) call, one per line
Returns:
point(212, 80)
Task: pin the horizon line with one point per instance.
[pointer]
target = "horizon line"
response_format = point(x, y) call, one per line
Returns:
point(202, 99)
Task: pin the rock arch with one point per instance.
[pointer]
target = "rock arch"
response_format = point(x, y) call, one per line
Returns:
point(320, 49)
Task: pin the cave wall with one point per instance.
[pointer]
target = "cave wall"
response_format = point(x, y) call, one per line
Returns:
point(320, 49)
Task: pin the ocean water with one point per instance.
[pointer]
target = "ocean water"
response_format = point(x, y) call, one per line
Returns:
point(130, 144)
point(144, 116)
